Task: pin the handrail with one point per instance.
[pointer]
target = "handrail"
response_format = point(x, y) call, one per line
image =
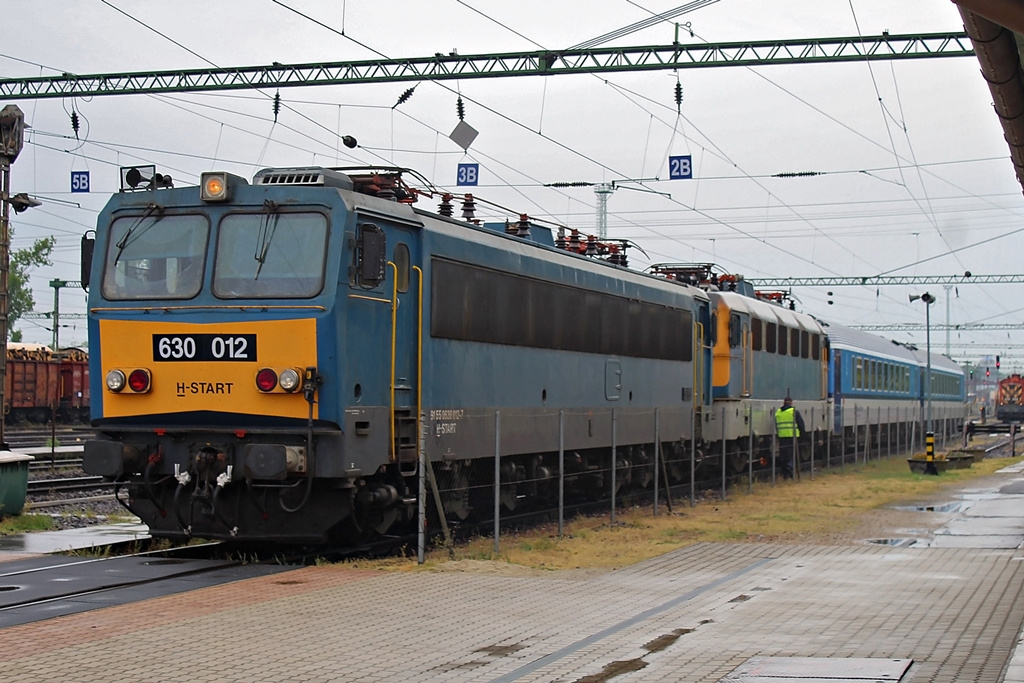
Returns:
point(419, 360)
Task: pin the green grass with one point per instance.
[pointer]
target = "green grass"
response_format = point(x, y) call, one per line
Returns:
point(19, 524)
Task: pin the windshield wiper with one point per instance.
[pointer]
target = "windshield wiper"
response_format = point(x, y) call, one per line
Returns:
point(126, 240)
point(268, 226)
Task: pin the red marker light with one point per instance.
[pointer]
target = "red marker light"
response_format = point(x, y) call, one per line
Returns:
point(138, 381)
point(266, 380)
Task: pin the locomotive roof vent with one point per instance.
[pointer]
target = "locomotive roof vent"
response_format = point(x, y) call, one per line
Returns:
point(312, 176)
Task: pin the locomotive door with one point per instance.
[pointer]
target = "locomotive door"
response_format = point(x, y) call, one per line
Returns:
point(405, 278)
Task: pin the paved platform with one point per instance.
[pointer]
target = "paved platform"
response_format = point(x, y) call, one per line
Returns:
point(946, 608)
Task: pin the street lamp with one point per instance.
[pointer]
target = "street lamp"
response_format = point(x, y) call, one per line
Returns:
point(12, 138)
point(928, 300)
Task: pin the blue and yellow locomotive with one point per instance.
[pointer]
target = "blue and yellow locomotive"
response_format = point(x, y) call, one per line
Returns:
point(270, 360)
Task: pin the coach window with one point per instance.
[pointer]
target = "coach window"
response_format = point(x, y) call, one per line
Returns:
point(794, 344)
point(858, 373)
point(162, 263)
point(815, 347)
point(755, 334)
point(402, 266)
point(770, 333)
point(783, 340)
point(270, 255)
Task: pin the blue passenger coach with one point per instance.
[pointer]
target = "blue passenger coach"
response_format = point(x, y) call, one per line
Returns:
point(881, 383)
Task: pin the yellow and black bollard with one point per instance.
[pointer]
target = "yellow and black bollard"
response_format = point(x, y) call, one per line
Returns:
point(929, 450)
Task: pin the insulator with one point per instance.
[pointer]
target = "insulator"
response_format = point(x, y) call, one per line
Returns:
point(510, 229)
point(524, 226)
point(679, 97)
point(75, 122)
point(560, 242)
point(468, 208)
point(445, 208)
point(277, 104)
point(460, 108)
point(404, 97)
point(613, 255)
point(574, 241)
point(591, 246)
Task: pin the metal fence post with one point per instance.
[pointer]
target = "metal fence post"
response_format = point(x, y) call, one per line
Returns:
point(913, 432)
point(842, 437)
point(888, 432)
point(724, 442)
point(750, 451)
point(856, 436)
point(421, 506)
point(830, 423)
point(813, 432)
point(561, 472)
point(615, 465)
point(657, 455)
point(693, 454)
point(775, 448)
point(497, 478)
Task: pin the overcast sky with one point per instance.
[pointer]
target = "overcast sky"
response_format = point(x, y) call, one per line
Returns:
point(916, 171)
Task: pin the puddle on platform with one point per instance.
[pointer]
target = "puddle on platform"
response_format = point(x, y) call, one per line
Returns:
point(894, 542)
point(955, 506)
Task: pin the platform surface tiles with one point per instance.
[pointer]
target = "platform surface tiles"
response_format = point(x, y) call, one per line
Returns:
point(949, 609)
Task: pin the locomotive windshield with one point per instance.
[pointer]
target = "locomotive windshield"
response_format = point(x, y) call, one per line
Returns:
point(270, 255)
point(155, 256)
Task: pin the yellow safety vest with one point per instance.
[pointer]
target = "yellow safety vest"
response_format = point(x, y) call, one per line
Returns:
point(785, 423)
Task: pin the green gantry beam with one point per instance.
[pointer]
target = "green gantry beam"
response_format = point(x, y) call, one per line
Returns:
point(920, 327)
point(538, 63)
point(884, 280)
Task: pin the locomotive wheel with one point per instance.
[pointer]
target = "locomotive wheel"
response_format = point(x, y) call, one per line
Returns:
point(643, 466)
point(737, 458)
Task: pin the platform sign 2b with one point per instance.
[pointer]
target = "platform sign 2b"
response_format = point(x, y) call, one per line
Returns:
point(468, 174)
point(79, 181)
point(680, 167)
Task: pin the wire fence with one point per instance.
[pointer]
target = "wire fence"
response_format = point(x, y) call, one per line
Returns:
point(549, 462)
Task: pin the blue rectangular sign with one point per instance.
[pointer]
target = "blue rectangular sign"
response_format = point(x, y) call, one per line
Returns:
point(79, 181)
point(680, 167)
point(469, 174)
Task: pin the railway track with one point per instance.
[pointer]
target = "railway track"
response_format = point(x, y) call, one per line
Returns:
point(39, 436)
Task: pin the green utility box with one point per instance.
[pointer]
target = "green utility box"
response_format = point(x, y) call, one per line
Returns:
point(13, 482)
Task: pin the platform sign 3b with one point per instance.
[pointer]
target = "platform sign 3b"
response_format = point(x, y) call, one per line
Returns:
point(468, 174)
point(680, 167)
point(79, 181)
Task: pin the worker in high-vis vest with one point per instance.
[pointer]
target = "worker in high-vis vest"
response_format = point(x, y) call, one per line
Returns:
point(789, 425)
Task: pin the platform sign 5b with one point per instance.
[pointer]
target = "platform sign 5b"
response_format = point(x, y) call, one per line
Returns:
point(469, 174)
point(79, 181)
point(680, 167)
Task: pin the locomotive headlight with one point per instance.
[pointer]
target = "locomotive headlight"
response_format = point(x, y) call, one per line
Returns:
point(289, 380)
point(116, 380)
point(214, 187)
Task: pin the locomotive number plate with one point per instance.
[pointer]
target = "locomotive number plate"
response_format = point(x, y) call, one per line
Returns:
point(204, 347)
